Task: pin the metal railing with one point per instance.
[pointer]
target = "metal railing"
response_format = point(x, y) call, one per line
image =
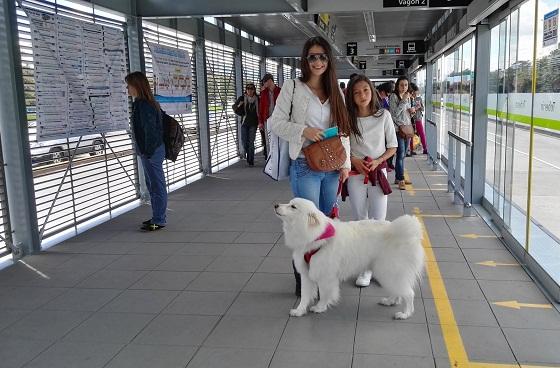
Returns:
point(432, 143)
point(461, 186)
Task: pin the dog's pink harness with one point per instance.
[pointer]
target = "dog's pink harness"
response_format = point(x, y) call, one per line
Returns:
point(328, 233)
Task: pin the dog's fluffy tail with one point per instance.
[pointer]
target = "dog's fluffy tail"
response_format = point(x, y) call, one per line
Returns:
point(407, 227)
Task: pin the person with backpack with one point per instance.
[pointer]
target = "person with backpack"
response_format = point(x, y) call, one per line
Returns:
point(247, 107)
point(147, 124)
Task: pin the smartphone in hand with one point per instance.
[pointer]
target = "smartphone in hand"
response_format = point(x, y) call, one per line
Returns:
point(331, 132)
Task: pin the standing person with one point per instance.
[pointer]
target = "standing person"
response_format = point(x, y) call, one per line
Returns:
point(316, 103)
point(419, 106)
point(247, 106)
point(372, 142)
point(384, 90)
point(401, 112)
point(148, 134)
point(269, 94)
point(343, 87)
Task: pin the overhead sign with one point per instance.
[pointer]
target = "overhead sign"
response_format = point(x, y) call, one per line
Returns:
point(390, 50)
point(550, 28)
point(449, 3)
point(323, 21)
point(398, 72)
point(402, 64)
point(414, 47)
point(351, 48)
point(404, 3)
point(362, 64)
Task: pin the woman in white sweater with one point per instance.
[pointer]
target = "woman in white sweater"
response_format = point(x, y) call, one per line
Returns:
point(372, 142)
point(316, 103)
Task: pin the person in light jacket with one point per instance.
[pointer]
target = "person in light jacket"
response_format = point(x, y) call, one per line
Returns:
point(317, 105)
point(401, 112)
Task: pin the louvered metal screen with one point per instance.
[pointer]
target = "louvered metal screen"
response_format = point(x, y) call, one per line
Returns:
point(286, 72)
point(272, 68)
point(5, 233)
point(221, 95)
point(188, 163)
point(75, 179)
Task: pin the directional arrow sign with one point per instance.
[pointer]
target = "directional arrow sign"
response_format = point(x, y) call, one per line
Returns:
point(516, 305)
point(476, 236)
point(494, 264)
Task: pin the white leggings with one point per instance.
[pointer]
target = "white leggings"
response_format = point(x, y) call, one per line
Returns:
point(367, 201)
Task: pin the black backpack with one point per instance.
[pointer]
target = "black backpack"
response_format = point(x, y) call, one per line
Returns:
point(173, 137)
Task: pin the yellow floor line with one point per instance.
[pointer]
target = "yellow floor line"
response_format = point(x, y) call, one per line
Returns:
point(449, 329)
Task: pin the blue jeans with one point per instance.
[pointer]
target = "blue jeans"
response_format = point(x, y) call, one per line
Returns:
point(316, 186)
point(248, 134)
point(400, 155)
point(155, 181)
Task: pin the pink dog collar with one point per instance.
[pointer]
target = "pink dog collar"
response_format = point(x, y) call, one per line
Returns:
point(328, 233)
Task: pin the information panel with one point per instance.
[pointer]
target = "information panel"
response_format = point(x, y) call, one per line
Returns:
point(173, 78)
point(79, 77)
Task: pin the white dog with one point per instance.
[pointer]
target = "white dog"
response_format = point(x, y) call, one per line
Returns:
point(326, 252)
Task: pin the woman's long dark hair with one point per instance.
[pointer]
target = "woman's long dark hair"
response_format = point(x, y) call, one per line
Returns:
point(140, 83)
point(374, 104)
point(396, 91)
point(329, 81)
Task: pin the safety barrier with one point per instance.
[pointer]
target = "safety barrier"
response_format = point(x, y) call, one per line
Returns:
point(461, 186)
point(432, 143)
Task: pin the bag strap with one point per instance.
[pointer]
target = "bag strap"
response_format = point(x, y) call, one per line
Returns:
point(292, 102)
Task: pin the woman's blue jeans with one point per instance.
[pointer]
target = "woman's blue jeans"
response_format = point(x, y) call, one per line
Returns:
point(155, 181)
point(316, 186)
point(400, 155)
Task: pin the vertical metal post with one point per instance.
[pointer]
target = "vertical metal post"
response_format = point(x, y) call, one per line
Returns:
point(429, 92)
point(480, 116)
point(15, 138)
point(450, 162)
point(457, 172)
point(467, 199)
point(202, 98)
point(262, 68)
point(136, 63)
point(280, 72)
point(239, 88)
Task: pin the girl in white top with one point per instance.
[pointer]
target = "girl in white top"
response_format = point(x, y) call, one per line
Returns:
point(316, 103)
point(372, 142)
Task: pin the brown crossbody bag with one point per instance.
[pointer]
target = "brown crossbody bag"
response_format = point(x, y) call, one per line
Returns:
point(326, 155)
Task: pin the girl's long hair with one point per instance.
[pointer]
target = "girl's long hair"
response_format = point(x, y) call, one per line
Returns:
point(329, 82)
point(140, 83)
point(374, 104)
point(396, 91)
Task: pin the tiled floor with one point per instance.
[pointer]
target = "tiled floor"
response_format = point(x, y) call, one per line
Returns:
point(214, 289)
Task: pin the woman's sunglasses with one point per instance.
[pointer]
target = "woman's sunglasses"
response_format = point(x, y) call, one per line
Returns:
point(314, 57)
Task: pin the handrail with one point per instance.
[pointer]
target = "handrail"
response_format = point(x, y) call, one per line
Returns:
point(459, 138)
point(431, 122)
point(432, 142)
point(461, 187)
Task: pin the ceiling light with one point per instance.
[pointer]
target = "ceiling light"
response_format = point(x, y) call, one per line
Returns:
point(370, 26)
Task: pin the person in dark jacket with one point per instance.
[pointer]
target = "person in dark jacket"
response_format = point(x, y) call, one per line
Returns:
point(267, 102)
point(148, 133)
point(247, 106)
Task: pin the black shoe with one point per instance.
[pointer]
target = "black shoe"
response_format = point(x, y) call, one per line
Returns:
point(152, 227)
point(147, 222)
point(413, 153)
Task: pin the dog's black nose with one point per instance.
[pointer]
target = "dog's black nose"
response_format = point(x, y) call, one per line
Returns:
point(276, 205)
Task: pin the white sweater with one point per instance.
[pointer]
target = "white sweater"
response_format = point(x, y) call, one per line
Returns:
point(292, 131)
point(378, 134)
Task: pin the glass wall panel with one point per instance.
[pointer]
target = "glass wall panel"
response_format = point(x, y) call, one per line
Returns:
point(545, 231)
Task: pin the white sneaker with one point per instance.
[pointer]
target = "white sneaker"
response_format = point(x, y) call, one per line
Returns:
point(364, 279)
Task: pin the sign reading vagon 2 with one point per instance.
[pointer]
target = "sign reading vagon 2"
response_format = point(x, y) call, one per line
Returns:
point(414, 47)
point(404, 3)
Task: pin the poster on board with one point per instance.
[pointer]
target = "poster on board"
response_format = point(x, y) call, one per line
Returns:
point(172, 78)
point(550, 28)
point(79, 71)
